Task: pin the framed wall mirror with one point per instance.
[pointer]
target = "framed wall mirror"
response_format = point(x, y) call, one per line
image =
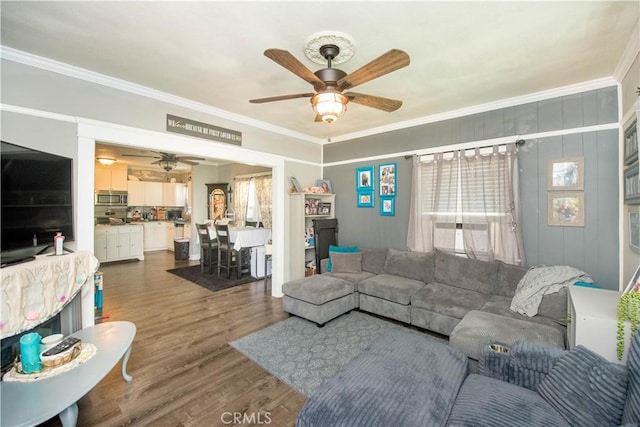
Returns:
point(218, 200)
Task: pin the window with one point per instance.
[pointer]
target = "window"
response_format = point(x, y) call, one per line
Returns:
point(253, 206)
point(464, 202)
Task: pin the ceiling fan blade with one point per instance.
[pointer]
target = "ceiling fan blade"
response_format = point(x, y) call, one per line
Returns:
point(157, 162)
point(182, 158)
point(288, 61)
point(318, 118)
point(137, 155)
point(388, 62)
point(385, 104)
point(281, 98)
point(188, 162)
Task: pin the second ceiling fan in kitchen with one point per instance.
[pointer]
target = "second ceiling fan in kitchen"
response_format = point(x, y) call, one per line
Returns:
point(169, 161)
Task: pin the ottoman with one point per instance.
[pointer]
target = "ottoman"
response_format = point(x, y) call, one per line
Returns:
point(318, 298)
point(478, 327)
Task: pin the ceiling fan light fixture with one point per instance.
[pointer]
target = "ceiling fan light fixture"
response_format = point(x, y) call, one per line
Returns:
point(167, 165)
point(329, 105)
point(106, 161)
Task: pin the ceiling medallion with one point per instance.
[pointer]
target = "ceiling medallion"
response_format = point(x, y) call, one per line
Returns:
point(316, 41)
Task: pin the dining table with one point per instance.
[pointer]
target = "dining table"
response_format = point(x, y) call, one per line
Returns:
point(248, 237)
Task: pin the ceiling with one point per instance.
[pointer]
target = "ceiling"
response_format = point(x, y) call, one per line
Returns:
point(462, 53)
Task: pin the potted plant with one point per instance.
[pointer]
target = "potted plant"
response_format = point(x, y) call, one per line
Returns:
point(628, 310)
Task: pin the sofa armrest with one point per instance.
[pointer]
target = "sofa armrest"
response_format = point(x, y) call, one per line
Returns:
point(524, 363)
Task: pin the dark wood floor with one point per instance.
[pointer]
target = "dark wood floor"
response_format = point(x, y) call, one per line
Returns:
point(184, 371)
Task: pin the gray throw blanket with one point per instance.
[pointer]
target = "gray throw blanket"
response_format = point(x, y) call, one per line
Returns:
point(541, 280)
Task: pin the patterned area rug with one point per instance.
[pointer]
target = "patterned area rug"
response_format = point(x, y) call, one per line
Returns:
point(303, 355)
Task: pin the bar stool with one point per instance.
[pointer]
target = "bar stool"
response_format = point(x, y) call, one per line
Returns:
point(268, 253)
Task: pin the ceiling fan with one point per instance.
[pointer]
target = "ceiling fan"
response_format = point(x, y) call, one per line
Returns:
point(329, 102)
point(168, 161)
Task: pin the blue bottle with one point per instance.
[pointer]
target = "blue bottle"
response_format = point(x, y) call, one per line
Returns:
point(30, 352)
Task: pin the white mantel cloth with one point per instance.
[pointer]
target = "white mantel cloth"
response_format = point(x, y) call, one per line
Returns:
point(35, 291)
point(539, 281)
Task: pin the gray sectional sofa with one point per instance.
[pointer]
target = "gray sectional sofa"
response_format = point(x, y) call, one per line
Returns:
point(408, 379)
point(467, 300)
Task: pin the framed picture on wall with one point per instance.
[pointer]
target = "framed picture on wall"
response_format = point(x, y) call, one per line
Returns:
point(566, 209)
point(387, 180)
point(387, 206)
point(365, 199)
point(364, 178)
point(566, 174)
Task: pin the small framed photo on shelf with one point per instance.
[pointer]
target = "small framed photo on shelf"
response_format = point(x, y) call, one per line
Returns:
point(387, 180)
point(364, 178)
point(365, 199)
point(324, 208)
point(311, 206)
point(325, 185)
point(387, 206)
point(296, 184)
point(566, 209)
point(566, 174)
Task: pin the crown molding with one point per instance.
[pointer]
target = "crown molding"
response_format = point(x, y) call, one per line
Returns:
point(631, 51)
point(482, 108)
point(47, 64)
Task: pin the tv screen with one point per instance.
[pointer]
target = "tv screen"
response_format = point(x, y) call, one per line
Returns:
point(37, 197)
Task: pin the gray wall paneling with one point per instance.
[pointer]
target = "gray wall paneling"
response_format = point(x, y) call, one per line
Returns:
point(593, 248)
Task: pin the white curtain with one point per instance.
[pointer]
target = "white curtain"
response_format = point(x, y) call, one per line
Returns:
point(478, 192)
point(263, 192)
point(490, 206)
point(262, 201)
point(240, 199)
point(432, 214)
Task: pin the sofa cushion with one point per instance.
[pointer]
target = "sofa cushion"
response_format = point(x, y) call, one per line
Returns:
point(586, 389)
point(318, 289)
point(501, 305)
point(354, 278)
point(484, 401)
point(448, 300)
point(333, 248)
point(508, 278)
point(411, 265)
point(631, 412)
point(403, 379)
point(391, 288)
point(373, 260)
point(346, 262)
point(472, 274)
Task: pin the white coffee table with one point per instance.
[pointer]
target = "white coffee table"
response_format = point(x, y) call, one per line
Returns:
point(31, 403)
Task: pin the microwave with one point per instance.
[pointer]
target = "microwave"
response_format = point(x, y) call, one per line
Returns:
point(111, 198)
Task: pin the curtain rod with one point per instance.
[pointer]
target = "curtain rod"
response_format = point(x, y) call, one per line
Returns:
point(518, 142)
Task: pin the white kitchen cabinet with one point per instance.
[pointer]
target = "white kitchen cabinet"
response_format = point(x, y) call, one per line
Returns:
point(153, 193)
point(146, 193)
point(136, 193)
point(115, 243)
point(170, 233)
point(155, 236)
point(113, 177)
point(174, 194)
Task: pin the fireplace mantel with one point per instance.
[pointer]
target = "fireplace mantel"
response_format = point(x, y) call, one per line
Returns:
point(35, 291)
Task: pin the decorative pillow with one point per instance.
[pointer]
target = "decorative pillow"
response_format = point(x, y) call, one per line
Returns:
point(346, 262)
point(586, 389)
point(333, 248)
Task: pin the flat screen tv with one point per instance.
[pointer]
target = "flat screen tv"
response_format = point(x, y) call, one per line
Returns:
point(37, 198)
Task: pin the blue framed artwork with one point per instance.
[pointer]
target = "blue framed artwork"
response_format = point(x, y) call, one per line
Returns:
point(365, 199)
point(365, 179)
point(387, 180)
point(387, 206)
